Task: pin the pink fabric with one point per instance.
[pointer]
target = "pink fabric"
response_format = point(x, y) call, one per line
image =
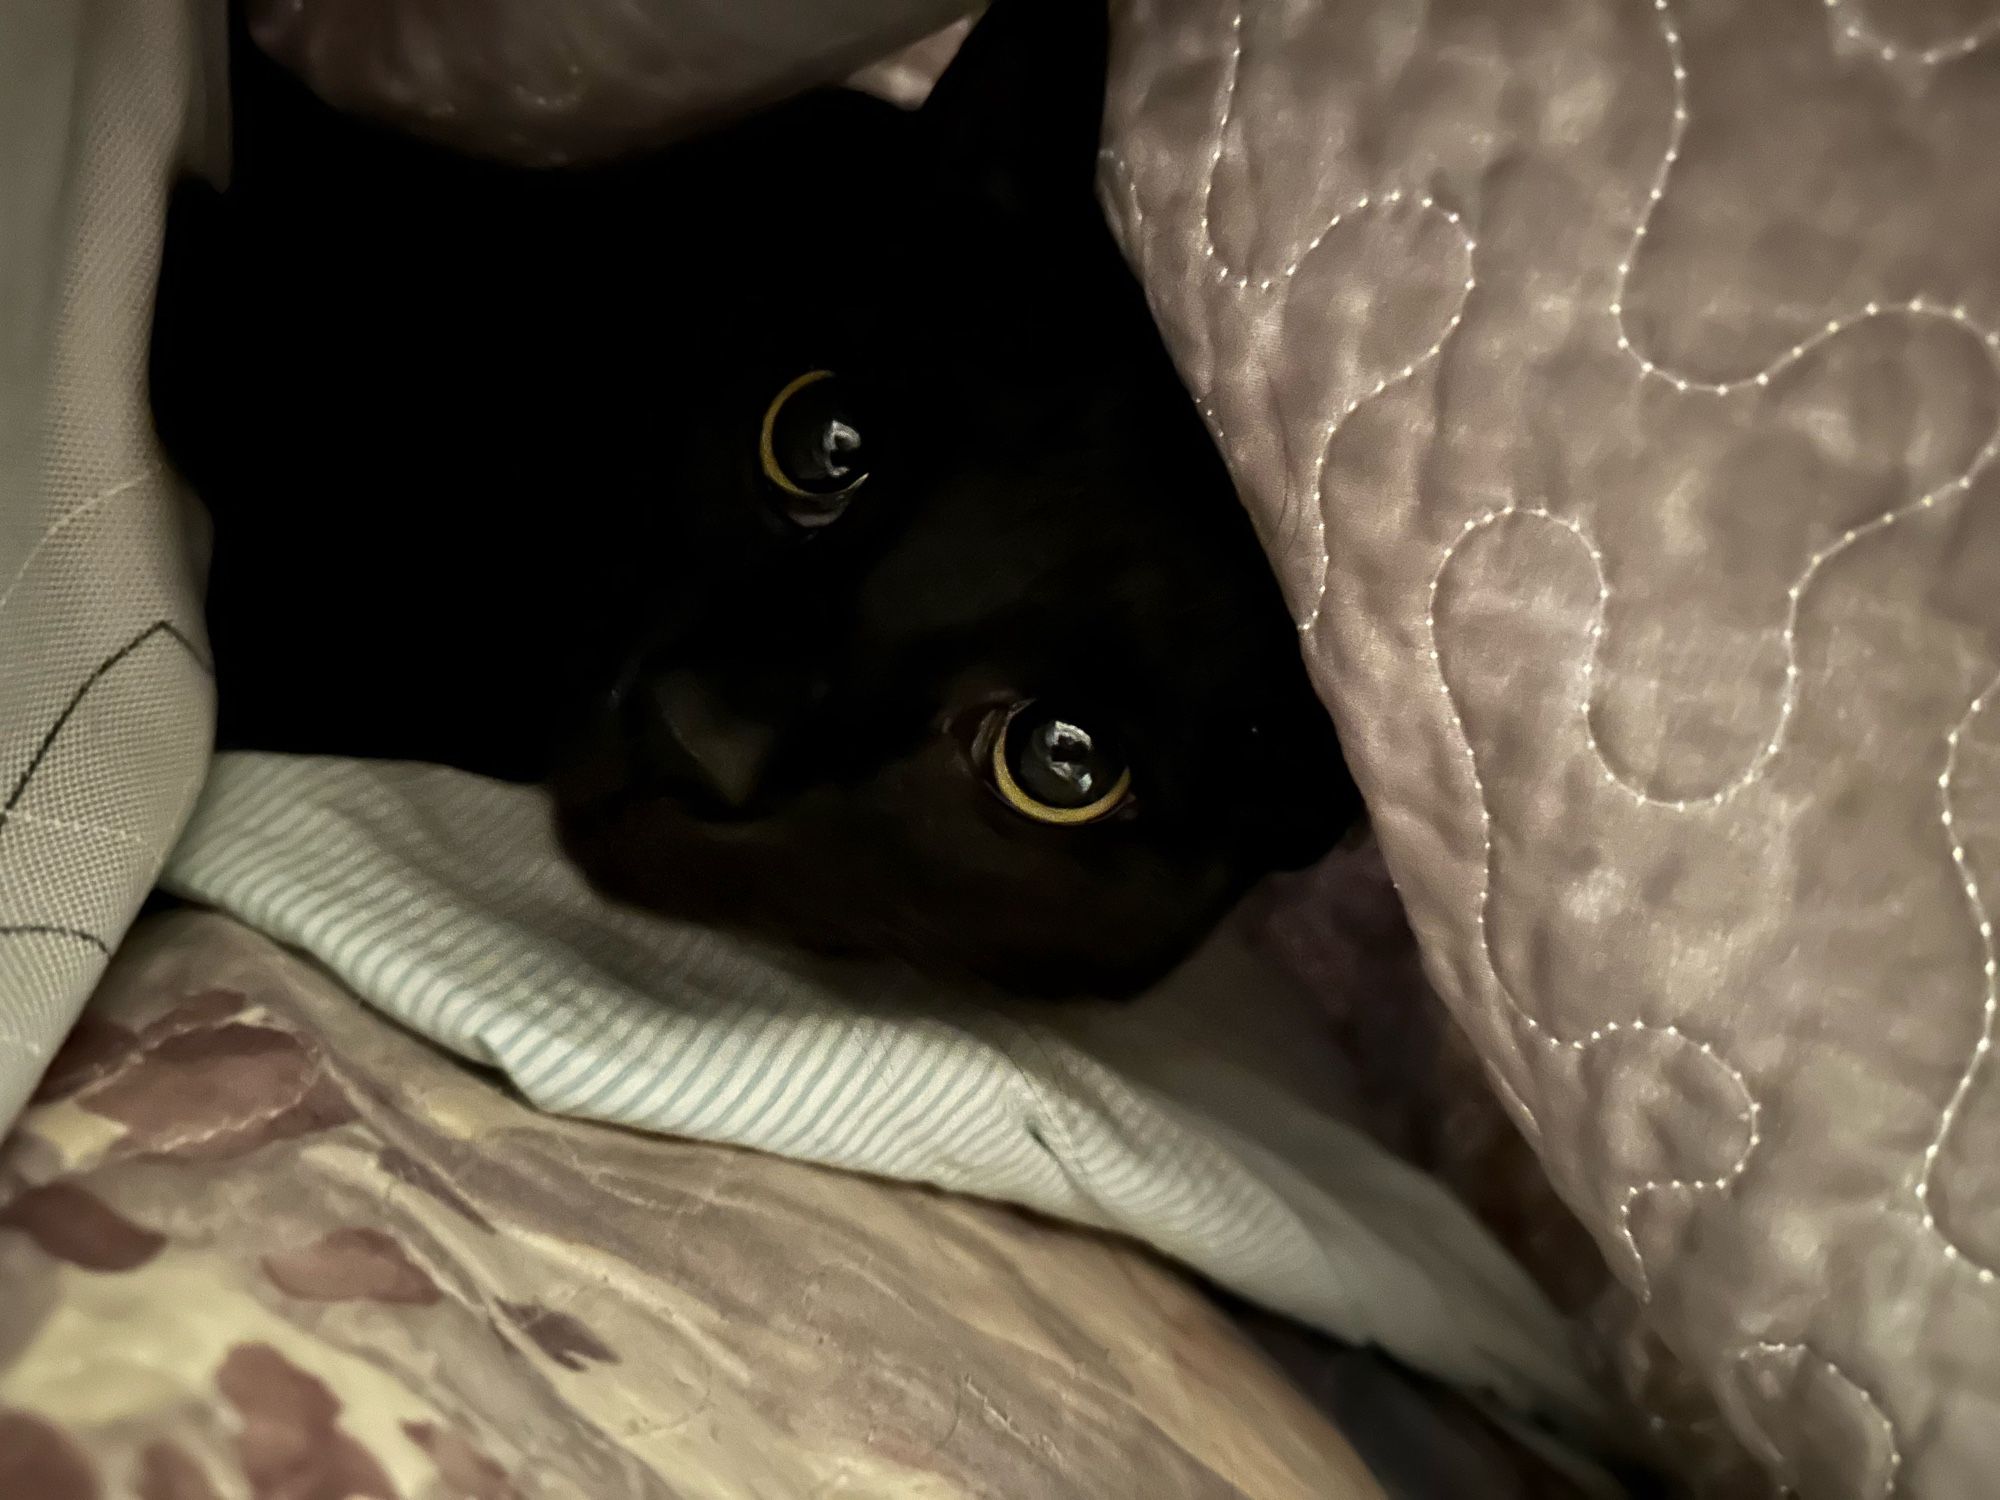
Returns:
point(545, 83)
point(1618, 387)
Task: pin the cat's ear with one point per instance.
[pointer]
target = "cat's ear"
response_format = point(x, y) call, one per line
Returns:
point(1018, 113)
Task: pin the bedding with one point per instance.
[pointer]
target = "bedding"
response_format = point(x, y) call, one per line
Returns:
point(1204, 1121)
point(1618, 384)
point(260, 1242)
point(591, 78)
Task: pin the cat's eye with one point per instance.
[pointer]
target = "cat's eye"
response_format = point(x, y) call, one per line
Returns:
point(1050, 766)
point(812, 449)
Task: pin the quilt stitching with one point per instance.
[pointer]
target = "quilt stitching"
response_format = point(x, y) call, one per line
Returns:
point(1859, 31)
point(1917, 307)
point(1135, 246)
point(1844, 14)
point(1947, 817)
point(1243, 281)
point(1751, 1114)
point(1892, 1467)
point(1990, 341)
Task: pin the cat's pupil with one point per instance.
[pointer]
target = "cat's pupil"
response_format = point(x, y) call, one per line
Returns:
point(840, 448)
point(816, 439)
point(1061, 764)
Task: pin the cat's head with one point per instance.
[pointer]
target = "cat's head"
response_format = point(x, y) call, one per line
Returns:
point(986, 668)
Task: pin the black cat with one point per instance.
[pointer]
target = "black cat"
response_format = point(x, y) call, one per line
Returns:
point(813, 506)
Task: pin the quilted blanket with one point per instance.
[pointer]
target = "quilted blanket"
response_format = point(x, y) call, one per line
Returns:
point(1618, 384)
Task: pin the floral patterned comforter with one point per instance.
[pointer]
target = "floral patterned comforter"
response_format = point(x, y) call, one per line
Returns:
point(257, 1242)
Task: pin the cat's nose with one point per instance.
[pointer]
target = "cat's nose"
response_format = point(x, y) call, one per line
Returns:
point(698, 744)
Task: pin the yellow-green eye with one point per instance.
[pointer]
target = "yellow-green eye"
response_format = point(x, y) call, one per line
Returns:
point(811, 447)
point(1048, 766)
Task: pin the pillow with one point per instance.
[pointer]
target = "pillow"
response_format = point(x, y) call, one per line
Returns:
point(1618, 387)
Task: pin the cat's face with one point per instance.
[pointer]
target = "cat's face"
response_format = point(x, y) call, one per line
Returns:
point(984, 666)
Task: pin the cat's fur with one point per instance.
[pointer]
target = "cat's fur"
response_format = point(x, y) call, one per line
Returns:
point(480, 445)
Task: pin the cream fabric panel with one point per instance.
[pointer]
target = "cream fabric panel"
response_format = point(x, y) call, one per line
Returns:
point(104, 706)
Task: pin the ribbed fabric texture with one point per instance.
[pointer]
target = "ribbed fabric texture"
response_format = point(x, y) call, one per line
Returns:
point(443, 899)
